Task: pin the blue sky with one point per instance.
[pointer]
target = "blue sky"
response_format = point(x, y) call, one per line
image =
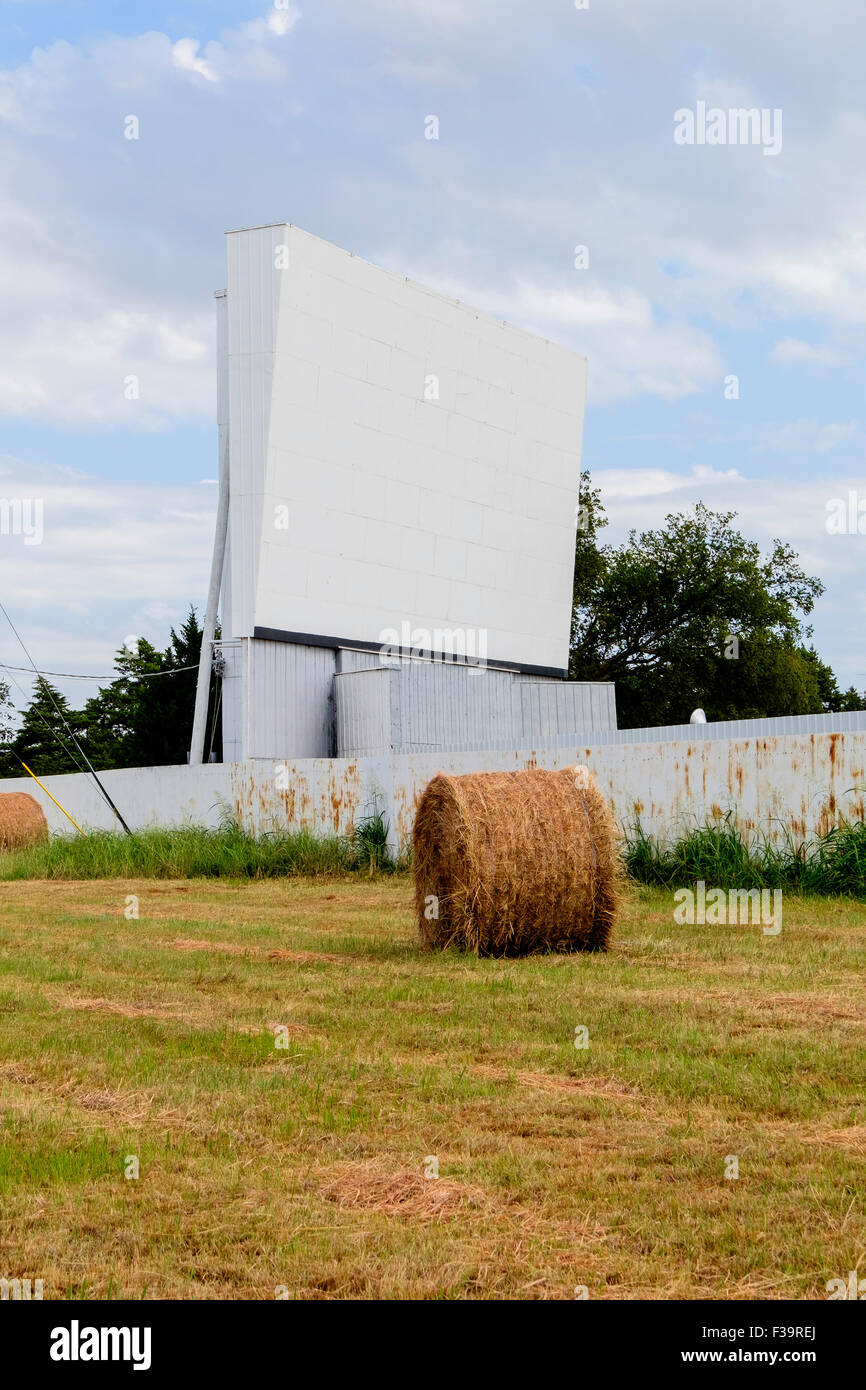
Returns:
point(556, 130)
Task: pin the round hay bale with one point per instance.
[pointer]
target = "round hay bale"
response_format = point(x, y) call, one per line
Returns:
point(22, 820)
point(509, 863)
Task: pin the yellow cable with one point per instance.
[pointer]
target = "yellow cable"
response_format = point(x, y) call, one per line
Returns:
point(53, 798)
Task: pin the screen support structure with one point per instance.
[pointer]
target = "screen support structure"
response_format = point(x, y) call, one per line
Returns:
point(202, 690)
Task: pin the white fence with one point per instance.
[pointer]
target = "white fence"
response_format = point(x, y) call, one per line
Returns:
point(793, 784)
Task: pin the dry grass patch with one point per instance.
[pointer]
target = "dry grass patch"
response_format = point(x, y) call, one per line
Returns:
point(403, 1193)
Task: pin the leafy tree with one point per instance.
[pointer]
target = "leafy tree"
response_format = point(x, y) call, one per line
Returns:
point(833, 700)
point(589, 560)
point(691, 615)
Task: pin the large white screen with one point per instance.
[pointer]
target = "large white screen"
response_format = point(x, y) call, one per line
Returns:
point(398, 461)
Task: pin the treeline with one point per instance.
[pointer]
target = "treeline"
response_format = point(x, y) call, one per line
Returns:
point(143, 718)
point(692, 616)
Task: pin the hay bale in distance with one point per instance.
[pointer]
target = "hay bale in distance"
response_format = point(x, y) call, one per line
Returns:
point(22, 821)
point(509, 863)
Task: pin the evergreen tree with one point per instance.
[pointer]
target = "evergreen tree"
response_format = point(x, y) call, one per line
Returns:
point(141, 719)
point(144, 719)
point(43, 740)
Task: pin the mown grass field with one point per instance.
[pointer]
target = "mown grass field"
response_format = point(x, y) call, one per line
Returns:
point(303, 1168)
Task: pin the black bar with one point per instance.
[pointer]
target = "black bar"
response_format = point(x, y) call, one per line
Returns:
point(313, 639)
point(199, 1338)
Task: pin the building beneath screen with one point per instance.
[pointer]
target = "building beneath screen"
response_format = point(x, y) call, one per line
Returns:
point(402, 475)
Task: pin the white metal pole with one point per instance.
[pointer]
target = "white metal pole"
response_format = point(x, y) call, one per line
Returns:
point(199, 723)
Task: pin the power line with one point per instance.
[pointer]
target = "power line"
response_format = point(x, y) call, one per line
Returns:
point(76, 676)
point(52, 731)
point(66, 722)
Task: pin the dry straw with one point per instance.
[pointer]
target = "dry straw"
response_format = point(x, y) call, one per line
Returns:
point(508, 863)
point(22, 820)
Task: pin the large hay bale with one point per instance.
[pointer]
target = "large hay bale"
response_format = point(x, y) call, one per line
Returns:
point(22, 820)
point(507, 863)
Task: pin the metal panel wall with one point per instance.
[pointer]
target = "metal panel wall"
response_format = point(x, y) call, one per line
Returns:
point(556, 709)
point(362, 701)
point(233, 703)
point(353, 659)
point(799, 725)
point(443, 707)
point(290, 713)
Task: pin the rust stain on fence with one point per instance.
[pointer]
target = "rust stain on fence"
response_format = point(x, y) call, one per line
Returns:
point(319, 794)
point(794, 785)
point(789, 785)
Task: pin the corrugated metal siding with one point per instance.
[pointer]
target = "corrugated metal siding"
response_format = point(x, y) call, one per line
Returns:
point(289, 706)
point(351, 659)
point(442, 707)
point(290, 714)
point(233, 699)
point(554, 709)
point(362, 702)
point(800, 724)
point(225, 596)
point(446, 706)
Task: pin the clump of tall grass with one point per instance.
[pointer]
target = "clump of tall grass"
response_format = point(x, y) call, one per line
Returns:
point(369, 842)
point(831, 865)
point(198, 852)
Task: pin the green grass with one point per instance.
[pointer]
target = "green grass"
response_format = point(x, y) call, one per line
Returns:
point(832, 865)
point(304, 1166)
point(197, 852)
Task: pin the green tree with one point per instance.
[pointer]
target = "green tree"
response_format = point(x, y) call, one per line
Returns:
point(144, 718)
point(43, 740)
point(7, 730)
point(833, 700)
point(692, 615)
point(117, 718)
point(7, 713)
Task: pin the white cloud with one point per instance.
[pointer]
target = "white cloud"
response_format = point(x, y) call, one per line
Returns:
point(115, 558)
point(100, 261)
point(653, 482)
point(282, 17)
point(107, 365)
point(796, 352)
point(806, 437)
point(185, 52)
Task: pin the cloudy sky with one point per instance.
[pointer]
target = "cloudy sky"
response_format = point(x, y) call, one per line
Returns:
point(706, 261)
